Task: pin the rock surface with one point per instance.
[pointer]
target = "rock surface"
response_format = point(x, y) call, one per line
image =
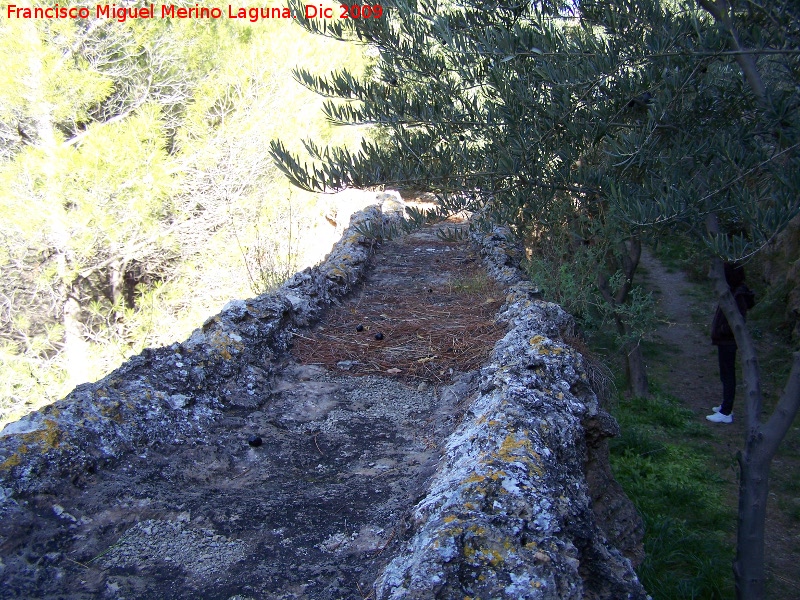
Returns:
point(508, 514)
point(509, 511)
point(143, 484)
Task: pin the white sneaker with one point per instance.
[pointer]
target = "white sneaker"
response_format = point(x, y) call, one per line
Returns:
point(717, 408)
point(718, 417)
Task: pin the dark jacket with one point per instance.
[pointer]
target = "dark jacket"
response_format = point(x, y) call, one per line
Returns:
point(721, 332)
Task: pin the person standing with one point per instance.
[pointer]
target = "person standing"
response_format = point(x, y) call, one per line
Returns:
point(722, 337)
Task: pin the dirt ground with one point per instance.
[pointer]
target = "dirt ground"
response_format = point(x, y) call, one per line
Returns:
point(687, 364)
point(427, 310)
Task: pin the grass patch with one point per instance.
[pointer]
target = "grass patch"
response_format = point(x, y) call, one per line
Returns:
point(479, 283)
point(679, 253)
point(666, 475)
point(684, 563)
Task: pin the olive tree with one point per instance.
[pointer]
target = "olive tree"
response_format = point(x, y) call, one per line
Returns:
point(487, 105)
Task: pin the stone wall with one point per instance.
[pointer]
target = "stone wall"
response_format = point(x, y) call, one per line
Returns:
point(509, 513)
point(167, 394)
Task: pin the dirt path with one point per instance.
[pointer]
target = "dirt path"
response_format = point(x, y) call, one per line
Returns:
point(426, 310)
point(689, 363)
point(687, 366)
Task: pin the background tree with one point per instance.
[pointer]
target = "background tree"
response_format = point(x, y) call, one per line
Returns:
point(617, 123)
point(92, 165)
point(135, 195)
point(717, 158)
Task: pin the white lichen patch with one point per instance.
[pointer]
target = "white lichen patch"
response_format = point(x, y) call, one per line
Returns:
point(336, 542)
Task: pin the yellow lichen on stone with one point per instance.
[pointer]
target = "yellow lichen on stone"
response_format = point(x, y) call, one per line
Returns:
point(112, 411)
point(477, 530)
point(46, 437)
point(225, 344)
point(490, 555)
point(537, 340)
point(474, 478)
point(12, 461)
point(481, 477)
point(509, 452)
point(454, 531)
point(497, 557)
point(510, 445)
point(450, 518)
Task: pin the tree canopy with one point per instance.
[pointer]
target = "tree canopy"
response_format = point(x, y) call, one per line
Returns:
point(638, 108)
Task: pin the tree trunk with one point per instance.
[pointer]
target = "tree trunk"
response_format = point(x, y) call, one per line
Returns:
point(748, 568)
point(76, 348)
point(629, 254)
point(118, 295)
point(763, 440)
point(635, 368)
point(637, 372)
point(116, 284)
